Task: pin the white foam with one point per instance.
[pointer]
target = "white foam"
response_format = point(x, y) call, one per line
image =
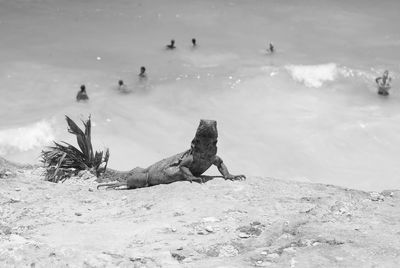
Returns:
point(366, 76)
point(26, 138)
point(313, 75)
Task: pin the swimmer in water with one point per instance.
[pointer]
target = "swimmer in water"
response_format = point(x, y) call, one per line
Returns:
point(172, 45)
point(271, 48)
point(194, 42)
point(142, 73)
point(384, 83)
point(122, 86)
point(82, 95)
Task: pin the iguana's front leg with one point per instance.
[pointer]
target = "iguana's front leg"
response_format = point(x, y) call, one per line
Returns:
point(224, 170)
point(185, 170)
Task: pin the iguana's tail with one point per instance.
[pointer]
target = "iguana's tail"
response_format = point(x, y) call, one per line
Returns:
point(113, 185)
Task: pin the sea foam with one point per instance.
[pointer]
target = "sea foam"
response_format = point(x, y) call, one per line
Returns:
point(313, 75)
point(25, 138)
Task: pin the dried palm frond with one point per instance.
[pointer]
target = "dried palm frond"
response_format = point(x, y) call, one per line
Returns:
point(68, 159)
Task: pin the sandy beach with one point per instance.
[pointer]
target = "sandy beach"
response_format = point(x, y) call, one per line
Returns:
point(260, 222)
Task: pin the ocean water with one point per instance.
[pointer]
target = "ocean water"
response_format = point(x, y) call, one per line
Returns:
point(308, 112)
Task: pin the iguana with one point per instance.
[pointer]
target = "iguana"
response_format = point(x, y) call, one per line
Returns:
point(186, 166)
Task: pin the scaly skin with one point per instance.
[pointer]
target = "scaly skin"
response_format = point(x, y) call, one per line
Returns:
point(185, 166)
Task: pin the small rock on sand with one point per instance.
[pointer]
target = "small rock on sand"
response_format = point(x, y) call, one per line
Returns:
point(15, 200)
point(177, 256)
point(376, 196)
point(209, 229)
point(243, 235)
point(387, 193)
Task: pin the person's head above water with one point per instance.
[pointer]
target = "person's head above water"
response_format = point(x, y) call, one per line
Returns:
point(194, 41)
point(120, 83)
point(142, 70)
point(82, 95)
point(386, 73)
point(172, 45)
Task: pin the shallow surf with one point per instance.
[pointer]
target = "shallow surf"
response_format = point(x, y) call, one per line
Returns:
point(308, 112)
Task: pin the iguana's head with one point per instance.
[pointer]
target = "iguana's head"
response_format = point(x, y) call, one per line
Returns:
point(205, 140)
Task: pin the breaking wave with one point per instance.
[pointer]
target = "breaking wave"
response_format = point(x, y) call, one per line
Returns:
point(26, 138)
point(313, 75)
